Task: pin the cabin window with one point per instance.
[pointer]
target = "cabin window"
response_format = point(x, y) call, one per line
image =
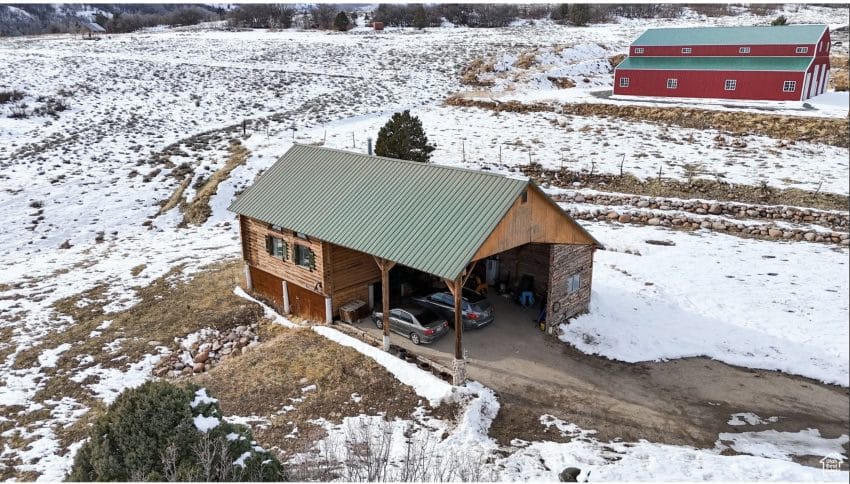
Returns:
point(802, 50)
point(731, 84)
point(305, 257)
point(638, 50)
point(276, 247)
point(624, 82)
point(744, 50)
point(789, 86)
point(574, 283)
point(672, 83)
point(686, 50)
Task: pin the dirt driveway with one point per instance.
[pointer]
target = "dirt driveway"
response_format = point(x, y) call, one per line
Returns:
point(687, 401)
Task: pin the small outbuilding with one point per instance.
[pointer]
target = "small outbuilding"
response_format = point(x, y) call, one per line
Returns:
point(322, 227)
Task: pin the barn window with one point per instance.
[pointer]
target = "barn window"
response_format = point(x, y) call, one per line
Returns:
point(731, 84)
point(672, 83)
point(574, 283)
point(789, 86)
point(624, 82)
point(638, 50)
point(305, 257)
point(802, 50)
point(276, 247)
point(744, 50)
point(686, 50)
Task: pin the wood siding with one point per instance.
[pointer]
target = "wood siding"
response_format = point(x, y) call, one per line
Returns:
point(254, 249)
point(306, 303)
point(535, 220)
point(756, 85)
point(349, 273)
point(268, 286)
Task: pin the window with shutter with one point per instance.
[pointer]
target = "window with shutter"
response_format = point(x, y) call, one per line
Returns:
point(269, 248)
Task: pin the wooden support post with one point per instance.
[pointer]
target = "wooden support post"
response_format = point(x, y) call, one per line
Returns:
point(385, 267)
point(456, 288)
point(329, 317)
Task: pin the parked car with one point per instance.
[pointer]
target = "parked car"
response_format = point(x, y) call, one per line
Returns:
point(476, 310)
point(418, 323)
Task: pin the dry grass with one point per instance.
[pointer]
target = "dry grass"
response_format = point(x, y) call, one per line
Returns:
point(264, 380)
point(168, 308)
point(175, 197)
point(615, 60)
point(198, 210)
point(816, 130)
point(526, 60)
point(470, 75)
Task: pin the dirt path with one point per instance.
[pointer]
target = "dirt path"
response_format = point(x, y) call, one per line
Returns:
point(682, 402)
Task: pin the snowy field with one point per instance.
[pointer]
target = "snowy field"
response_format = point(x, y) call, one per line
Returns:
point(99, 172)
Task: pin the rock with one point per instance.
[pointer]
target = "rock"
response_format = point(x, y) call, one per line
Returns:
point(578, 199)
point(198, 368)
point(243, 341)
point(216, 346)
point(613, 215)
point(625, 218)
point(227, 351)
point(677, 221)
point(774, 232)
point(643, 204)
point(186, 371)
point(201, 357)
point(705, 224)
point(570, 474)
point(160, 371)
point(715, 209)
point(654, 221)
point(810, 236)
point(718, 226)
point(179, 366)
point(241, 329)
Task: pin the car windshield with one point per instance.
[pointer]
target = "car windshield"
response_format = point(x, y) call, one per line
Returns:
point(473, 297)
point(424, 316)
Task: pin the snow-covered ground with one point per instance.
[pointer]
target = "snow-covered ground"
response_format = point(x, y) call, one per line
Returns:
point(97, 173)
point(752, 303)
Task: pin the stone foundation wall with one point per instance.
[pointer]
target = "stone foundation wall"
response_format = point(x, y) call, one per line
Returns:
point(564, 261)
point(531, 259)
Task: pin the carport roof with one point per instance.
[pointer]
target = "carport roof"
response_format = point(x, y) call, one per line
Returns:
point(430, 217)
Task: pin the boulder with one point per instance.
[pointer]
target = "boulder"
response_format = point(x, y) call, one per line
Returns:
point(643, 204)
point(201, 357)
point(810, 236)
point(654, 221)
point(613, 215)
point(570, 474)
point(198, 368)
point(715, 209)
point(774, 232)
point(718, 226)
point(625, 218)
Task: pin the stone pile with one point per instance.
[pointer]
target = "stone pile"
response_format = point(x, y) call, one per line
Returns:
point(205, 349)
point(827, 218)
point(680, 221)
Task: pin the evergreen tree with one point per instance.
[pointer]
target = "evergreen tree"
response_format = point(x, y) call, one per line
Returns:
point(420, 18)
point(403, 138)
point(341, 22)
point(152, 433)
point(579, 14)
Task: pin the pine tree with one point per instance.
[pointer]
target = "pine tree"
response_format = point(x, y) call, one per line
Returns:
point(403, 138)
point(579, 14)
point(420, 18)
point(341, 22)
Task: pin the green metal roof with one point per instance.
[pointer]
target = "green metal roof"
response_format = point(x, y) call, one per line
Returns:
point(429, 217)
point(784, 64)
point(759, 35)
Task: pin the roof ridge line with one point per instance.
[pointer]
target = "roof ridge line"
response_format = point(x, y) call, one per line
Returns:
point(410, 162)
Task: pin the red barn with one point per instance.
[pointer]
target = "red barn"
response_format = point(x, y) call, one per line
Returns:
point(777, 63)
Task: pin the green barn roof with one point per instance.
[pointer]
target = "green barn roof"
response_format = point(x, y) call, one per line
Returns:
point(783, 64)
point(426, 216)
point(760, 35)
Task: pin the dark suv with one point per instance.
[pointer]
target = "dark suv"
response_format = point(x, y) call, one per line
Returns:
point(476, 309)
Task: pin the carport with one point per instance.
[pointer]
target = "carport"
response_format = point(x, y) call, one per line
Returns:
point(360, 216)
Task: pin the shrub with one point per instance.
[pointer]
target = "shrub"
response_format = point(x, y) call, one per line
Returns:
point(153, 433)
point(780, 20)
point(403, 138)
point(579, 14)
point(341, 22)
point(10, 96)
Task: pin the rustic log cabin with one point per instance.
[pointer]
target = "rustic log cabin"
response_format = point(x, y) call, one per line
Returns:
point(323, 227)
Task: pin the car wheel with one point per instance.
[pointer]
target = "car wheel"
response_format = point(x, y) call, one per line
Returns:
point(414, 338)
point(379, 323)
